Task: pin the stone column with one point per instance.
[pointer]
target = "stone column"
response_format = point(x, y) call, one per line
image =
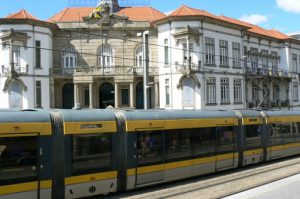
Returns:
point(156, 95)
point(76, 95)
point(131, 95)
point(116, 95)
point(91, 95)
point(52, 93)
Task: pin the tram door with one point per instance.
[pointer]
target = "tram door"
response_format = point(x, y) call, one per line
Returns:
point(149, 157)
point(19, 159)
point(224, 147)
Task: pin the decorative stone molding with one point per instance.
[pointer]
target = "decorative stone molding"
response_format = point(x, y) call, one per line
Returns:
point(15, 79)
point(184, 76)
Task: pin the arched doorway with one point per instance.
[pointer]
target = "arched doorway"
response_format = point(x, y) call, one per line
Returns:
point(106, 95)
point(68, 96)
point(15, 96)
point(139, 100)
point(188, 93)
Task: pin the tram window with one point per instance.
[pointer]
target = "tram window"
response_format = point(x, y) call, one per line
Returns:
point(149, 147)
point(178, 144)
point(203, 141)
point(18, 159)
point(275, 136)
point(253, 136)
point(281, 134)
point(92, 152)
point(297, 131)
point(225, 136)
point(286, 133)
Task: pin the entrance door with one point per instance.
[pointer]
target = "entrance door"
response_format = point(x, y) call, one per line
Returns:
point(106, 95)
point(225, 148)
point(19, 160)
point(150, 167)
point(68, 96)
point(15, 96)
point(140, 96)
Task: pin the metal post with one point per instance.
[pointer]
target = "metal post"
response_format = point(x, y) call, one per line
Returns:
point(145, 67)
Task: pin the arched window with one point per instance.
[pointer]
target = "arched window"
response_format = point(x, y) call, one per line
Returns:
point(139, 56)
point(105, 56)
point(188, 92)
point(69, 57)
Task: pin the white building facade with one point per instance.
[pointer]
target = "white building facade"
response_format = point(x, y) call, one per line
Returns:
point(211, 62)
point(25, 59)
point(198, 61)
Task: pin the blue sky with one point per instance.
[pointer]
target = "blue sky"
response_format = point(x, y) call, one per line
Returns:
point(282, 15)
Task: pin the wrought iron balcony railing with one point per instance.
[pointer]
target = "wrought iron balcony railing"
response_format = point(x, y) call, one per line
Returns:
point(102, 71)
point(250, 71)
point(21, 70)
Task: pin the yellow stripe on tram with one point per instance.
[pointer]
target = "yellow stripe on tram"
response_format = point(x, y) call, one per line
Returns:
point(253, 152)
point(283, 147)
point(180, 164)
point(90, 127)
point(280, 119)
point(140, 125)
point(90, 177)
point(24, 187)
point(10, 129)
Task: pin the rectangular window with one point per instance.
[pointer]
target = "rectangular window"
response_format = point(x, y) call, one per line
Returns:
point(253, 136)
point(275, 93)
point(254, 94)
point(237, 90)
point(223, 53)
point(209, 51)
point(125, 97)
point(167, 86)
point(264, 62)
point(18, 159)
point(225, 99)
point(166, 51)
point(236, 55)
point(274, 62)
point(211, 90)
point(16, 57)
point(294, 63)
point(202, 139)
point(295, 91)
point(246, 56)
point(149, 147)
point(38, 54)
point(187, 60)
point(254, 60)
point(38, 90)
point(91, 153)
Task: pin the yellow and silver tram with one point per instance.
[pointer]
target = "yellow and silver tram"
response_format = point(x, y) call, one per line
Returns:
point(82, 153)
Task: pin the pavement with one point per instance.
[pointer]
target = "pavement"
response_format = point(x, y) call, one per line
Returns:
point(285, 188)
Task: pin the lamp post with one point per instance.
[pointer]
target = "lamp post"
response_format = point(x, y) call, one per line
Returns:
point(146, 85)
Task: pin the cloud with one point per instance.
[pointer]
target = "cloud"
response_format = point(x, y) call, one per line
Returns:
point(254, 19)
point(169, 12)
point(289, 5)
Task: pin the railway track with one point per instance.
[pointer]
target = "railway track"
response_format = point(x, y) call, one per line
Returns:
point(221, 184)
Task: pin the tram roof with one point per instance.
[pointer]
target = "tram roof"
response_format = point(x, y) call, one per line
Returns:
point(249, 113)
point(87, 115)
point(282, 113)
point(176, 114)
point(10, 116)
